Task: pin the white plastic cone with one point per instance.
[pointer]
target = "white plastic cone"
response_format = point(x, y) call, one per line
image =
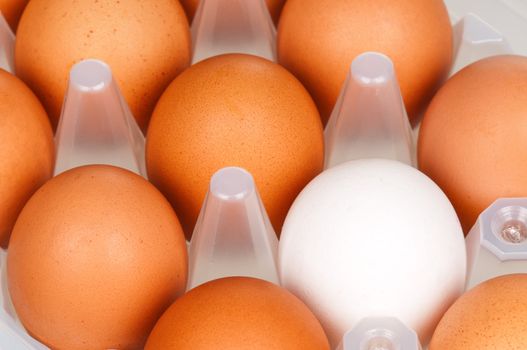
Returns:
point(369, 119)
point(233, 235)
point(474, 39)
point(233, 26)
point(96, 125)
point(380, 334)
point(497, 244)
point(7, 46)
point(12, 334)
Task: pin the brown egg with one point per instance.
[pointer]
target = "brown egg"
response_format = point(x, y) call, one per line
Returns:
point(96, 257)
point(275, 8)
point(318, 40)
point(12, 10)
point(473, 137)
point(491, 316)
point(238, 313)
point(27, 153)
point(146, 46)
point(234, 110)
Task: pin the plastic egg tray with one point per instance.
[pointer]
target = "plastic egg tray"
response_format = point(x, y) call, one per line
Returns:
point(481, 27)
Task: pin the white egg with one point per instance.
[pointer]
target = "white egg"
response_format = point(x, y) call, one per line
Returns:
point(373, 238)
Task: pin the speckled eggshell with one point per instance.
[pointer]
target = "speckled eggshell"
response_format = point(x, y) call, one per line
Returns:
point(373, 238)
point(96, 257)
point(275, 8)
point(12, 10)
point(318, 40)
point(238, 313)
point(491, 316)
point(234, 110)
point(473, 138)
point(27, 151)
point(146, 43)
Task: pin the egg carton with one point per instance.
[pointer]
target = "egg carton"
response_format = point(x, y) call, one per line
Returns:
point(233, 235)
point(380, 334)
point(480, 28)
point(507, 17)
point(497, 244)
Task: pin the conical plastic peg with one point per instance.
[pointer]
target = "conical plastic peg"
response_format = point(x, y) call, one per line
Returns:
point(369, 119)
point(233, 235)
point(474, 39)
point(380, 334)
point(233, 26)
point(497, 244)
point(7, 46)
point(96, 125)
point(12, 334)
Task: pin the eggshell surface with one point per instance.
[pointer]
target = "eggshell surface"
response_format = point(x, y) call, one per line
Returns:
point(473, 137)
point(96, 256)
point(146, 44)
point(275, 8)
point(234, 110)
point(238, 313)
point(27, 151)
point(373, 238)
point(492, 315)
point(12, 10)
point(318, 40)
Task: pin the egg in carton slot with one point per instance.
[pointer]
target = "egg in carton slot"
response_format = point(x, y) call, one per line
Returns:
point(482, 28)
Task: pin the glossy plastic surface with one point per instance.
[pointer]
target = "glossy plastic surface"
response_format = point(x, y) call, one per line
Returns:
point(497, 244)
point(7, 46)
point(508, 17)
point(96, 125)
point(233, 26)
point(233, 235)
point(369, 119)
point(475, 39)
point(380, 334)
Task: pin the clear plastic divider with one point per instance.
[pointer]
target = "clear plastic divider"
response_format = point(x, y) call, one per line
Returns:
point(380, 334)
point(497, 244)
point(474, 39)
point(7, 46)
point(233, 26)
point(369, 119)
point(233, 235)
point(96, 125)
